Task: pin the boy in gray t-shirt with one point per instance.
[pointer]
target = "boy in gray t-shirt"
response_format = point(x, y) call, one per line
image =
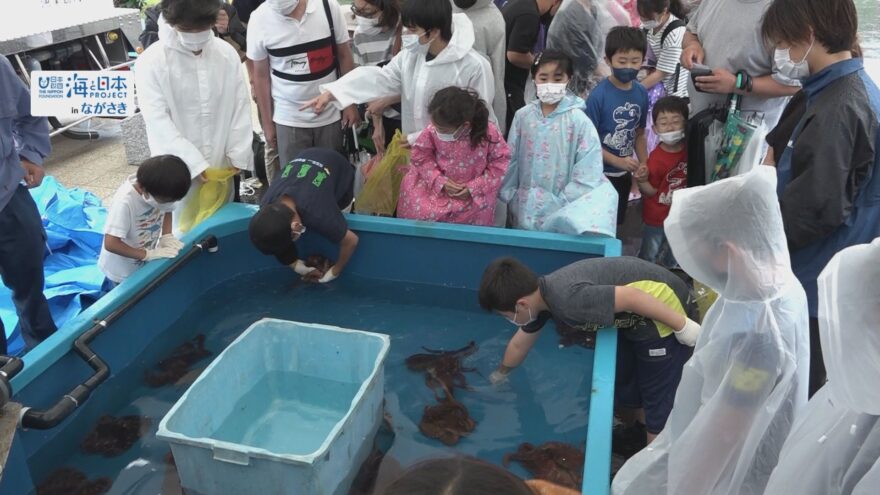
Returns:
point(649, 305)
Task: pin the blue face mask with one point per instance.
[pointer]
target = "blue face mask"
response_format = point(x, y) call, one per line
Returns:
point(626, 75)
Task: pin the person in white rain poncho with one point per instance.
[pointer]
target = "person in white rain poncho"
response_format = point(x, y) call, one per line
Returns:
point(834, 447)
point(196, 104)
point(437, 53)
point(489, 41)
point(579, 29)
point(747, 379)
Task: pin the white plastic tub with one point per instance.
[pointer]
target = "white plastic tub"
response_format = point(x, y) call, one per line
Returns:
point(288, 408)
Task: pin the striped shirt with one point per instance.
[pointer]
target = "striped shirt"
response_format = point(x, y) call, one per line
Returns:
point(373, 48)
point(668, 57)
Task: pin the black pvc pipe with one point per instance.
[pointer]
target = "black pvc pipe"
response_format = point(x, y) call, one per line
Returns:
point(51, 417)
point(9, 367)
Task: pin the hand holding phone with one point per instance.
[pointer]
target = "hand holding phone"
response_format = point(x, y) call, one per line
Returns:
point(699, 70)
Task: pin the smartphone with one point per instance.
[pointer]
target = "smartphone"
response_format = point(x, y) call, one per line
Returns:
point(699, 70)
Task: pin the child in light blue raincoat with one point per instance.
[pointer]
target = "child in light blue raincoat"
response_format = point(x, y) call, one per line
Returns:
point(555, 181)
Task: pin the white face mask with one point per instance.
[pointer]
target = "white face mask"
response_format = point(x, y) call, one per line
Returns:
point(671, 138)
point(151, 201)
point(167, 207)
point(411, 42)
point(652, 24)
point(367, 25)
point(195, 42)
point(163, 207)
point(283, 7)
point(527, 323)
point(551, 93)
point(789, 68)
point(448, 138)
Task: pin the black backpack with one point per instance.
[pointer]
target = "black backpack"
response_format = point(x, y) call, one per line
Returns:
point(666, 32)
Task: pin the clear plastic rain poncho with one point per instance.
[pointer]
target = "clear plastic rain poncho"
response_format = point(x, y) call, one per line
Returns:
point(578, 30)
point(834, 447)
point(747, 379)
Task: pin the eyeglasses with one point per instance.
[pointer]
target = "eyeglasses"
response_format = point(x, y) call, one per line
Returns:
point(363, 13)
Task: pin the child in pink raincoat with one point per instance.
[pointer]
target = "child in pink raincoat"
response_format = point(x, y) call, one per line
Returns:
point(457, 163)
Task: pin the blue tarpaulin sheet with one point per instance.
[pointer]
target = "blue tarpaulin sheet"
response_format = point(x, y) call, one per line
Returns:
point(74, 223)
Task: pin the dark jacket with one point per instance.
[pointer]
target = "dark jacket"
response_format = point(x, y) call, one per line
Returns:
point(236, 33)
point(829, 188)
point(245, 8)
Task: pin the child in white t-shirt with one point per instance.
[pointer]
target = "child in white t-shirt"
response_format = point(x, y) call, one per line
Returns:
point(138, 226)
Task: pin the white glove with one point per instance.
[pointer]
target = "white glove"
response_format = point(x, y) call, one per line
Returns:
point(498, 376)
point(160, 252)
point(301, 269)
point(328, 277)
point(688, 333)
point(169, 241)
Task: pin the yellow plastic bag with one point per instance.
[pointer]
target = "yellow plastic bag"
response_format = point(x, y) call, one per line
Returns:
point(210, 197)
point(380, 193)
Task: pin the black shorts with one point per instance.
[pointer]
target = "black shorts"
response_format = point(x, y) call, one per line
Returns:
point(648, 372)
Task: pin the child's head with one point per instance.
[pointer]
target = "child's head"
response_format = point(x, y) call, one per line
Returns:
point(428, 19)
point(670, 114)
point(625, 49)
point(190, 16)
point(505, 283)
point(274, 229)
point(165, 178)
point(456, 111)
point(651, 11)
point(552, 72)
point(552, 66)
point(456, 475)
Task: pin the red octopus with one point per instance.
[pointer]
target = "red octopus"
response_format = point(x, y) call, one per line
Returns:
point(67, 481)
point(178, 364)
point(555, 462)
point(448, 420)
point(322, 263)
point(442, 368)
point(112, 436)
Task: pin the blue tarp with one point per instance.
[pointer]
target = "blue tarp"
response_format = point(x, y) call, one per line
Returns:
point(74, 223)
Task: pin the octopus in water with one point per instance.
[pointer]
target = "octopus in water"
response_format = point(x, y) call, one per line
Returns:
point(555, 462)
point(442, 368)
point(177, 365)
point(113, 436)
point(448, 420)
point(67, 481)
point(569, 336)
point(322, 263)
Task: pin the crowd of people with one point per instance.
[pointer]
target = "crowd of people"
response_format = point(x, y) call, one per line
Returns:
point(553, 123)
